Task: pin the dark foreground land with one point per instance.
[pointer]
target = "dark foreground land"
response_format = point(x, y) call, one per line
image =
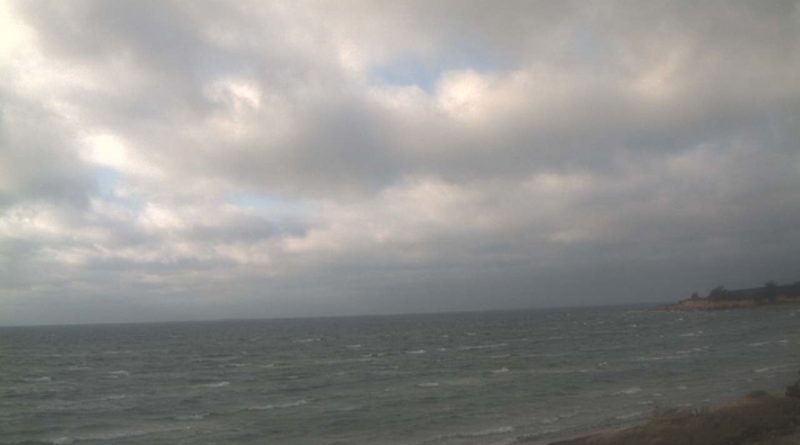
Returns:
point(758, 419)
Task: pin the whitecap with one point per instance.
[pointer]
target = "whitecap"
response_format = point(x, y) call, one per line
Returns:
point(295, 403)
point(761, 370)
point(417, 351)
point(630, 391)
point(656, 358)
point(532, 437)
point(199, 416)
point(216, 384)
point(356, 346)
point(64, 440)
point(755, 345)
point(428, 385)
point(488, 346)
point(500, 371)
point(307, 340)
point(125, 433)
point(120, 373)
point(42, 379)
point(480, 433)
point(78, 368)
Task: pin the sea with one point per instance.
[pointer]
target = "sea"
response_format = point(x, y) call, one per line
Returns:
point(512, 377)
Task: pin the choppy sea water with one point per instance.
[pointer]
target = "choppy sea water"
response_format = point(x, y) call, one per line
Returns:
point(467, 378)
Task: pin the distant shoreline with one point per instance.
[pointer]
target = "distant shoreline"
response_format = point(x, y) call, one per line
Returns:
point(719, 298)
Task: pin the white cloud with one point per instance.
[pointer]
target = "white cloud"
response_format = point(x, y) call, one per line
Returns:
point(533, 140)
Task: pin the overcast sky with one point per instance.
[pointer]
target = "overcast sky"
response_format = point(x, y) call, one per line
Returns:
point(193, 159)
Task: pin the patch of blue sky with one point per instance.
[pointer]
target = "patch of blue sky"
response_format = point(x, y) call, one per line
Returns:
point(269, 203)
point(425, 70)
point(106, 181)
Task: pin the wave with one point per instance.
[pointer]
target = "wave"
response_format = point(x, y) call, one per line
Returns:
point(675, 355)
point(489, 346)
point(215, 384)
point(500, 371)
point(428, 384)
point(199, 416)
point(629, 391)
point(463, 381)
point(469, 435)
point(535, 437)
point(550, 420)
point(488, 432)
point(120, 373)
point(480, 433)
point(42, 379)
point(629, 416)
point(114, 435)
point(658, 358)
point(231, 365)
point(78, 368)
point(307, 340)
point(300, 402)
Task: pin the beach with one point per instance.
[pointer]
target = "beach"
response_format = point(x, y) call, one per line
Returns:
point(757, 419)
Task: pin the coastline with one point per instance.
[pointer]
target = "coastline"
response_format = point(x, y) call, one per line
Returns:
point(704, 304)
point(756, 419)
point(720, 298)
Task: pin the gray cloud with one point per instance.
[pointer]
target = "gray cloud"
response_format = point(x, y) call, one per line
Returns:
point(173, 161)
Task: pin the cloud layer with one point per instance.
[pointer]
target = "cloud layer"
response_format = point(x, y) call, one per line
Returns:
point(179, 160)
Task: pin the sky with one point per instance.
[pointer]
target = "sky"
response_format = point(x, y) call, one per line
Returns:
point(179, 160)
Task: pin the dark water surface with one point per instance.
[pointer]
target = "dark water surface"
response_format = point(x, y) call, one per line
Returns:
point(470, 378)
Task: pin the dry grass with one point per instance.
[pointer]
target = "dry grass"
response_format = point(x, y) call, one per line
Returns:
point(759, 419)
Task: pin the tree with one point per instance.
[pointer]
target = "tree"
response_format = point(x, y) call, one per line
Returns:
point(770, 291)
point(718, 293)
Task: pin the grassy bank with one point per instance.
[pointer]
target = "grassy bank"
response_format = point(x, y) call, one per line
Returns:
point(758, 419)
